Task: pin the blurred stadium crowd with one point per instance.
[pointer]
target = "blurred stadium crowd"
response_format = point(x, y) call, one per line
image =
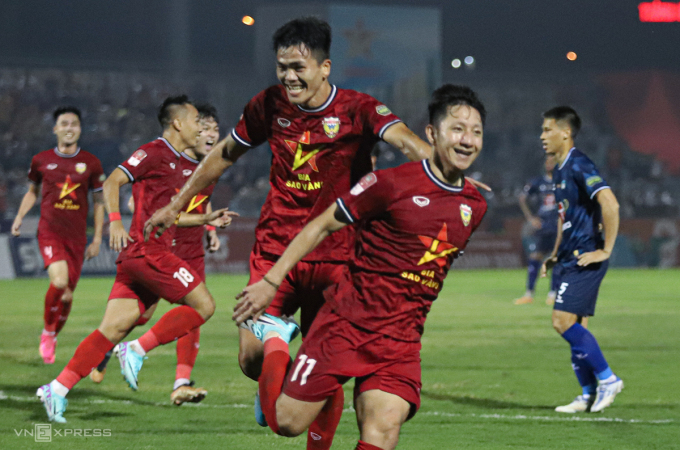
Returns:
point(119, 114)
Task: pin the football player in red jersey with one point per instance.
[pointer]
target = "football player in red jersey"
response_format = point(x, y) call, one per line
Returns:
point(67, 173)
point(321, 138)
point(147, 270)
point(188, 246)
point(371, 324)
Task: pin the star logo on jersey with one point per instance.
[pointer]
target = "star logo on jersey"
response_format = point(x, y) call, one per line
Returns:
point(465, 214)
point(437, 248)
point(302, 156)
point(331, 126)
point(196, 202)
point(68, 187)
point(81, 167)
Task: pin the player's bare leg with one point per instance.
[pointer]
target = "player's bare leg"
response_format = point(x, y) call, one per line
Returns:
point(250, 354)
point(293, 416)
point(196, 307)
point(380, 416)
point(97, 374)
point(58, 273)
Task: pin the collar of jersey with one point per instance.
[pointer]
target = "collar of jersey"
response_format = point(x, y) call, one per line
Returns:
point(195, 161)
point(65, 155)
point(170, 146)
point(438, 182)
point(328, 101)
point(567, 158)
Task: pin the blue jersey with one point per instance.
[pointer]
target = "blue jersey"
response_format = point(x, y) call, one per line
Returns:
point(577, 180)
point(540, 191)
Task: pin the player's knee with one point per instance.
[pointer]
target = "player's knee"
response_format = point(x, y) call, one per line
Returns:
point(288, 426)
point(67, 297)
point(250, 363)
point(59, 281)
point(384, 429)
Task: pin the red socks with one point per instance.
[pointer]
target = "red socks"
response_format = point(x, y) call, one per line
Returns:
point(361, 445)
point(187, 350)
point(274, 369)
point(322, 430)
point(174, 324)
point(88, 355)
point(63, 315)
point(52, 307)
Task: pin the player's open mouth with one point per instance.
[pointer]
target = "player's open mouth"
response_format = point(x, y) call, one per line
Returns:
point(464, 153)
point(209, 144)
point(294, 90)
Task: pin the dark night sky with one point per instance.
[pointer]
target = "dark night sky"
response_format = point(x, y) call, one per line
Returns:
point(514, 35)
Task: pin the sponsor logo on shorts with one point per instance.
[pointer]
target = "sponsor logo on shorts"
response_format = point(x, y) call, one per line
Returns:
point(566, 225)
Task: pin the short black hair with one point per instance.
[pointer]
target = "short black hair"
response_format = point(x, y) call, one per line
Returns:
point(566, 114)
point(166, 111)
point(452, 95)
point(207, 111)
point(65, 110)
point(311, 31)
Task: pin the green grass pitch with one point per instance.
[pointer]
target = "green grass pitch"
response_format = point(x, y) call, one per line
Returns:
point(492, 373)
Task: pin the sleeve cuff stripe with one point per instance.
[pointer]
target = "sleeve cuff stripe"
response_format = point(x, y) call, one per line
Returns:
point(127, 172)
point(598, 190)
point(345, 210)
point(386, 126)
point(239, 139)
point(99, 189)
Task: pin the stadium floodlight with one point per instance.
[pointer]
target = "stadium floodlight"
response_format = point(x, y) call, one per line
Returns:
point(455, 63)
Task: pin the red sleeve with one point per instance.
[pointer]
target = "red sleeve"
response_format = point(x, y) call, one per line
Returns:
point(376, 117)
point(34, 174)
point(368, 198)
point(250, 130)
point(97, 176)
point(137, 165)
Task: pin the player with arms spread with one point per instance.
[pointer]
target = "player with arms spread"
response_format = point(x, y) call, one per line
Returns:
point(67, 173)
point(147, 270)
point(321, 139)
point(587, 206)
point(371, 324)
point(188, 246)
point(543, 224)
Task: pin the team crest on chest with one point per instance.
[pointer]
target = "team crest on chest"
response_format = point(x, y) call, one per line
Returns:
point(81, 167)
point(465, 214)
point(331, 126)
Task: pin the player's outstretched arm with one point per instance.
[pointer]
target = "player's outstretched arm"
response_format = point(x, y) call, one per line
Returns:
point(223, 156)
point(254, 299)
point(93, 249)
point(220, 218)
point(30, 197)
point(610, 222)
point(118, 236)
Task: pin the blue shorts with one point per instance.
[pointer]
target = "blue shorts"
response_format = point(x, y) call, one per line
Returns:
point(578, 287)
point(540, 242)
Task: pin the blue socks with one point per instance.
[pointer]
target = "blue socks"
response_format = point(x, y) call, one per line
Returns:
point(586, 357)
point(534, 269)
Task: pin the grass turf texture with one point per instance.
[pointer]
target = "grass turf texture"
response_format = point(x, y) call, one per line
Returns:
point(492, 373)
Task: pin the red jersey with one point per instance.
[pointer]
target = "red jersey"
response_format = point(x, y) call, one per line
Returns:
point(154, 170)
point(189, 240)
point(65, 179)
point(317, 155)
point(410, 228)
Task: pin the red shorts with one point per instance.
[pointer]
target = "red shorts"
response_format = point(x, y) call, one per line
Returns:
point(198, 264)
point(301, 289)
point(151, 277)
point(335, 350)
point(54, 248)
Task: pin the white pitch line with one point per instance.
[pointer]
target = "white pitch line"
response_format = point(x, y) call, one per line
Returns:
point(350, 409)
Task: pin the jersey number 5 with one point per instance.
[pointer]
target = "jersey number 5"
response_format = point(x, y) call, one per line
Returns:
point(184, 276)
point(310, 365)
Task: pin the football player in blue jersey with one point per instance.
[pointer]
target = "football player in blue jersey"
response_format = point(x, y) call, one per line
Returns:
point(587, 208)
point(539, 193)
